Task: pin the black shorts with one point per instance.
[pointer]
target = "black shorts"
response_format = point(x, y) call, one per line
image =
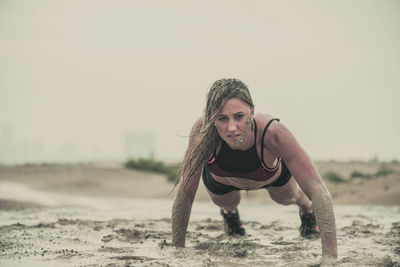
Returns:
point(221, 189)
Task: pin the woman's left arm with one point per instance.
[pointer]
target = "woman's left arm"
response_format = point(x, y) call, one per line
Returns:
point(283, 144)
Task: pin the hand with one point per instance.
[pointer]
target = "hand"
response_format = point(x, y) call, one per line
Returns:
point(328, 261)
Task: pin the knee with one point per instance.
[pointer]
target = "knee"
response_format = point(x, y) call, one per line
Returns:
point(284, 197)
point(231, 199)
point(284, 200)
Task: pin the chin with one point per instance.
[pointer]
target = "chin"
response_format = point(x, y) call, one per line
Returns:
point(237, 142)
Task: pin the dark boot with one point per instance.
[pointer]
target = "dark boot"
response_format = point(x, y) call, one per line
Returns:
point(309, 228)
point(232, 223)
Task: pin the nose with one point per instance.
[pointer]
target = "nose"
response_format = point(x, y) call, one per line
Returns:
point(232, 126)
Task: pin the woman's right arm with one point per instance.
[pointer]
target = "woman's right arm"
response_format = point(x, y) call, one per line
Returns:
point(185, 196)
point(181, 212)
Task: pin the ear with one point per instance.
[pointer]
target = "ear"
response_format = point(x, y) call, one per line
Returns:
point(252, 111)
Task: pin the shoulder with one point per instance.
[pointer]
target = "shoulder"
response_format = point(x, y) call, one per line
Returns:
point(276, 133)
point(263, 119)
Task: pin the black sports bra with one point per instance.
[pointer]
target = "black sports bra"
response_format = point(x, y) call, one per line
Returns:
point(243, 164)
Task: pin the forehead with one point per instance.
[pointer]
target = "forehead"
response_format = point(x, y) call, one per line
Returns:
point(234, 105)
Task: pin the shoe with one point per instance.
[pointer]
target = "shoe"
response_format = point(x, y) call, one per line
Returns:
point(309, 228)
point(232, 223)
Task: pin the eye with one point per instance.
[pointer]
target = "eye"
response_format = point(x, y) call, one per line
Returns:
point(222, 119)
point(239, 116)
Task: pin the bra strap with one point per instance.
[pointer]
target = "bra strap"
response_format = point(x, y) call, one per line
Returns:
point(263, 135)
point(255, 132)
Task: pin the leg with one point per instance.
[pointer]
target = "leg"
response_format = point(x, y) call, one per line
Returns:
point(228, 204)
point(228, 201)
point(227, 198)
point(291, 193)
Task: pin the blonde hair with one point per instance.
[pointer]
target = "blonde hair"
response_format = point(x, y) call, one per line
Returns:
point(206, 141)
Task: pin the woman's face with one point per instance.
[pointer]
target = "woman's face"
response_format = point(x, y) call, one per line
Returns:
point(234, 122)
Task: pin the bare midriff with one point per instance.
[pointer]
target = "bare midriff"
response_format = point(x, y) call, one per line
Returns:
point(246, 184)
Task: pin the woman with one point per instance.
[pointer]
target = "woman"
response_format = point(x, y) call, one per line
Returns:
point(236, 149)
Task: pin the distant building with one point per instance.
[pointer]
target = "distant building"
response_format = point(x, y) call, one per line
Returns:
point(139, 145)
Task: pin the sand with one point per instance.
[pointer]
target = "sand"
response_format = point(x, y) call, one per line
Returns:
point(104, 215)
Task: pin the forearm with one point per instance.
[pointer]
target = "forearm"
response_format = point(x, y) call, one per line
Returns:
point(180, 218)
point(323, 209)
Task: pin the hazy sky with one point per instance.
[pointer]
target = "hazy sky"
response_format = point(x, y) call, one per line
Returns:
point(85, 72)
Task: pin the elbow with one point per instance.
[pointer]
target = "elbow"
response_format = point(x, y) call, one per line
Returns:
point(319, 190)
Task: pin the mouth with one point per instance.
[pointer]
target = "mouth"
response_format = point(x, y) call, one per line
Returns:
point(233, 136)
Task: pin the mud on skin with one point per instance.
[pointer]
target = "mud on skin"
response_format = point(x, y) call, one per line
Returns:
point(180, 218)
point(323, 209)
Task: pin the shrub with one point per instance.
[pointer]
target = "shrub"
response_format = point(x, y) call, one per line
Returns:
point(383, 171)
point(150, 165)
point(358, 174)
point(172, 172)
point(145, 165)
point(334, 177)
